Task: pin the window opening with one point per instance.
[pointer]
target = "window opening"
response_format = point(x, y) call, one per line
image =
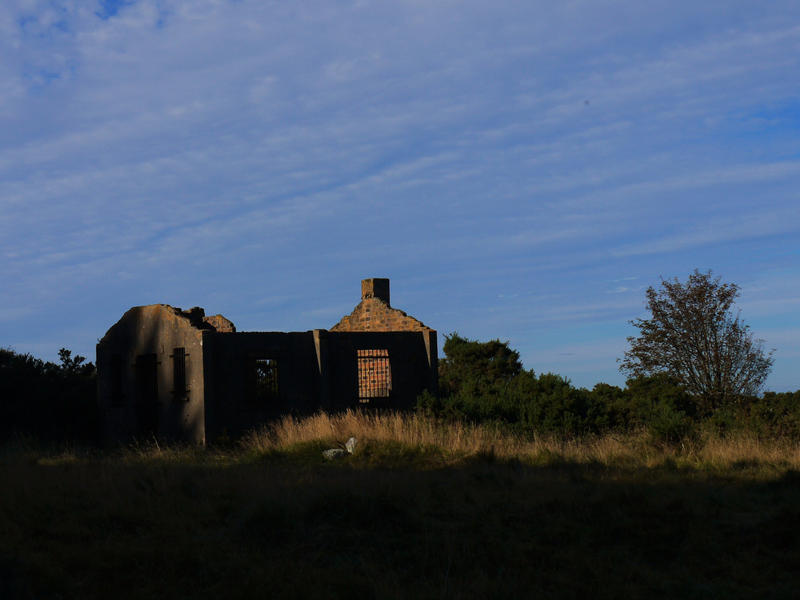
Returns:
point(179, 389)
point(147, 394)
point(265, 379)
point(374, 374)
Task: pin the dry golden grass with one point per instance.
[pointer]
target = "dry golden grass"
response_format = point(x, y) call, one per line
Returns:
point(747, 447)
point(457, 441)
point(424, 509)
point(448, 443)
point(408, 429)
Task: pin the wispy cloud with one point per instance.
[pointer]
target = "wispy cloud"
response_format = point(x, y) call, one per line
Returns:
point(561, 155)
point(745, 224)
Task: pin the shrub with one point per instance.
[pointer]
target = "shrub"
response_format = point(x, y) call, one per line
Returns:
point(484, 382)
point(668, 426)
point(773, 414)
point(49, 401)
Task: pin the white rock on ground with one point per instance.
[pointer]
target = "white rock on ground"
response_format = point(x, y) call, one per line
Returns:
point(333, 453)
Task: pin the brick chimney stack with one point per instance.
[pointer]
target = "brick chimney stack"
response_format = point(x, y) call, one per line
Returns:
point(375, 287)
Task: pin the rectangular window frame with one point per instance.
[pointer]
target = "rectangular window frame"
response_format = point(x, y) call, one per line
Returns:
point(374, 373)
point(180, 389)
point(263, 379)
point(147, 398)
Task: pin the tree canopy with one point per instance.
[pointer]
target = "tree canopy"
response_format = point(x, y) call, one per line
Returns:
point(50, 401)
point(490, 363)
point(694, 335)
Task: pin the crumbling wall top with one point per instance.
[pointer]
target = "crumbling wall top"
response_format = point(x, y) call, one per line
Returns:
point(220, 324)
point(374, 313)
point(194, 317)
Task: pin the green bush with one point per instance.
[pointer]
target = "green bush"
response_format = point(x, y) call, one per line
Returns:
point(668, 426)
point(774, 413)
point(52, 402)
point(484, 382)
point(558, 407)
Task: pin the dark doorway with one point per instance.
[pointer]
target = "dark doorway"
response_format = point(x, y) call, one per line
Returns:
point(146, 396)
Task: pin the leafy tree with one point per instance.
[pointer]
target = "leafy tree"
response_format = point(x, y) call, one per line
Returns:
point(485, 382)
point(558, 407)
point(694, 336)
point(476, 364)
point(46, 400)
point(74, 365)
point(647, 392)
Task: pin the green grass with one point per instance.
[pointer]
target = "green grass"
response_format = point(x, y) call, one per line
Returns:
point(397, 520)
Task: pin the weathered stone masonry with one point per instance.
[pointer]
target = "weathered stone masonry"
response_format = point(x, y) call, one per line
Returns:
point(374, 313)
point(173, 374)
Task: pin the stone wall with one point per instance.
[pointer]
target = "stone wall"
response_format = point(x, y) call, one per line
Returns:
point(220, 323)
point(374, 313)
point(171, 374)
point(142, 347)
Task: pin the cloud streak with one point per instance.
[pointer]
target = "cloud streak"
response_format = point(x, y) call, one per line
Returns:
point(233, 151)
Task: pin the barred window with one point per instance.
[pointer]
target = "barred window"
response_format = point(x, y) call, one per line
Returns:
point(374, 374)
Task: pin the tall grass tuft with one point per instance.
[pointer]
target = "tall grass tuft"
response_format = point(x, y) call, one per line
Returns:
point(456, 441)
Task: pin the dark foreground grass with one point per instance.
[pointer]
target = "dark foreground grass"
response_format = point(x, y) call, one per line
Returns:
point(206, 524)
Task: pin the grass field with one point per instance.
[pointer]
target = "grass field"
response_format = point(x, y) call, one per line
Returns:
point(420, 510)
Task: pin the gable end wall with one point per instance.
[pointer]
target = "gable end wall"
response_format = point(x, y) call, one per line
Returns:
point(373, 314)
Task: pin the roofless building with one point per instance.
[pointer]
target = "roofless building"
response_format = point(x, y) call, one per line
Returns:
point(174, 374)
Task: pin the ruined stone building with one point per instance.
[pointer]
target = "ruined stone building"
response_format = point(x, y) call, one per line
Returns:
point(180, 375)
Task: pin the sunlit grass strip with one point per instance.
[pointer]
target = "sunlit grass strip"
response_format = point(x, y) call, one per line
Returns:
point(431, 443)
point(409, 429)
point(458, 440)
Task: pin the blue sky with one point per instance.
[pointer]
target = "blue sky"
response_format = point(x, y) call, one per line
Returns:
point(520, 170)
